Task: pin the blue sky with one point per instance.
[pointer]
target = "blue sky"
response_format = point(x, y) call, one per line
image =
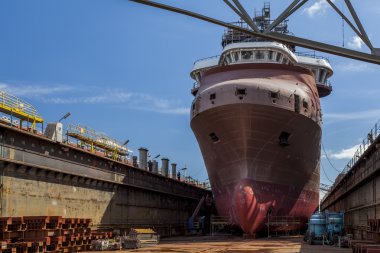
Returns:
point(123, 69)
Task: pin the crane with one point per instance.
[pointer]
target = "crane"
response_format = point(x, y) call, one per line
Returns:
point(236, 6)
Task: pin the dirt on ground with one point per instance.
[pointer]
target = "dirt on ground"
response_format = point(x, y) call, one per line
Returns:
point(228, 244)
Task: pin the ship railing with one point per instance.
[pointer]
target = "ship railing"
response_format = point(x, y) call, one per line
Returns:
point(326, 83)
point(280, 28)
point(207, 58)
point(312, 54)
point(195, 85)
point(361, 150)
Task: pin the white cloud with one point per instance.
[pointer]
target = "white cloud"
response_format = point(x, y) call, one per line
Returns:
point(64, 94)
point(360, 115)
point(30, 90)
point(319, 8)
point(355, 43)
point(354, 67)
point(132, 100)
point(346, 153)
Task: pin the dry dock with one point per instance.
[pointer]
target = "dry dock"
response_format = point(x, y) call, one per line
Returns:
point(43, 177)
point(357, 190)
point(238, 245)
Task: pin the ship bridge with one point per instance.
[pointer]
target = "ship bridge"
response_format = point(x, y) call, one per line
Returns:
point(321, 69)
point(257, 52)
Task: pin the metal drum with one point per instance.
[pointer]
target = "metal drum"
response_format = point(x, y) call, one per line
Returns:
point(317, 225)
point(334, 223)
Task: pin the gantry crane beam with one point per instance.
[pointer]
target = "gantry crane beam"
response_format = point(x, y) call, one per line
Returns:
point(325, 187)
point(283, 38)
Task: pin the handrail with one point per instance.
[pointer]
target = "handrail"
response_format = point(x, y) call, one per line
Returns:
point(312, 55)
point(207, 58)
point(11, 103)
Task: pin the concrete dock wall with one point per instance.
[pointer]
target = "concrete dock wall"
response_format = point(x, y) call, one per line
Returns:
point(357, 192)
point(42, 177)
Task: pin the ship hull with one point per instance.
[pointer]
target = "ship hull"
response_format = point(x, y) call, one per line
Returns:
point(251, 174)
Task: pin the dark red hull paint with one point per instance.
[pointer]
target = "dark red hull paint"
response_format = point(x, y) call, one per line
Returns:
point(249, 171)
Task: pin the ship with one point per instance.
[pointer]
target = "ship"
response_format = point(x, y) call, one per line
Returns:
point(257, 117)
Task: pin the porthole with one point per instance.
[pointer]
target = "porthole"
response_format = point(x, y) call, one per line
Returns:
point(305, 104)
point(241, 92)
point(275, 95)
point(214, 137)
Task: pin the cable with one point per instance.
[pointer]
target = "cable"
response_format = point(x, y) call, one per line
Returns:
point(324, 172)
point(328, 159)
point(199, 171)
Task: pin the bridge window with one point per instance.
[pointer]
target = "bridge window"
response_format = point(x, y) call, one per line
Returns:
point(197, 76)
point(315, 73)
point(270, 55)
point(259, 55)
point(236, 55)
point(278, 57)
point(322, 74)
point(246, 55)
point(212, 96)
point(284, 60)
point(228, 58)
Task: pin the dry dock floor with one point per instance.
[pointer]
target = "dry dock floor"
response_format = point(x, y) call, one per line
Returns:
point(239, 245)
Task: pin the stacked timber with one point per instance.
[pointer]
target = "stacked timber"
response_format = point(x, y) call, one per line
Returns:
point(145, 236)
point(364, 246)
point(38, 234)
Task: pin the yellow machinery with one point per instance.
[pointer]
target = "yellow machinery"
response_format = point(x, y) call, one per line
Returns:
point(94, 139)
point(15, 107)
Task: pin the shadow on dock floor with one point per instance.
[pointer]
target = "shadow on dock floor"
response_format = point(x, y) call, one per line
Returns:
point(226, 244)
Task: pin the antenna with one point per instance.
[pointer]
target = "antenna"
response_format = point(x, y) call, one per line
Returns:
point(343, 25)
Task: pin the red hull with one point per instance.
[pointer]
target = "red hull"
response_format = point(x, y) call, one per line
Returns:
point(250, 206)
point(250, 170)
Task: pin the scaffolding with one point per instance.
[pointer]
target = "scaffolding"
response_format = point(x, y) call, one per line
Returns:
point(262, 20)
point(16, 107)
point(97, 141)
point(220, 225)
point(283, 225)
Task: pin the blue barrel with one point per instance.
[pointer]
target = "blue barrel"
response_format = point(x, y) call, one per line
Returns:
point(317, 225)
point(334, 222)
